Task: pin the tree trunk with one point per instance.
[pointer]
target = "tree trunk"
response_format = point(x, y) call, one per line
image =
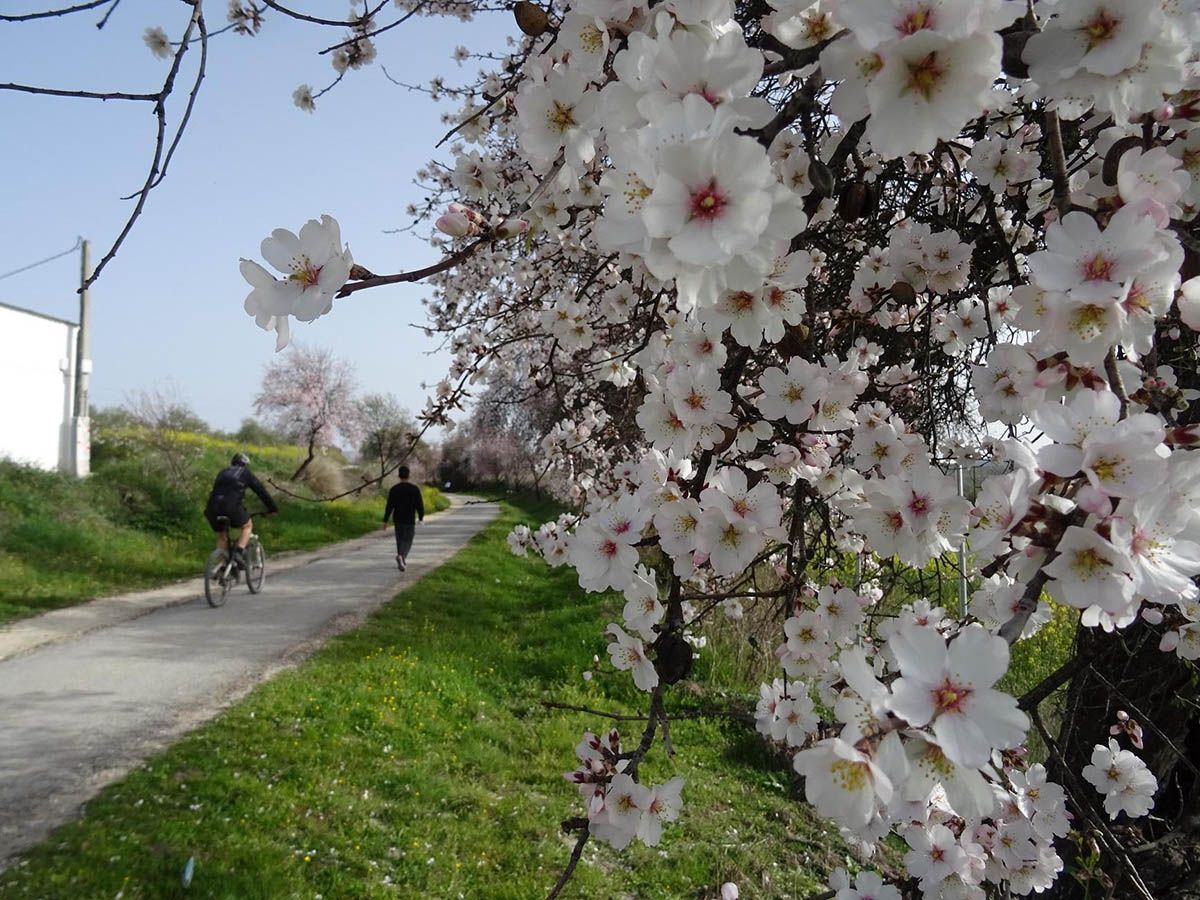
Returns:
point(312, 452)
point(1128, 672)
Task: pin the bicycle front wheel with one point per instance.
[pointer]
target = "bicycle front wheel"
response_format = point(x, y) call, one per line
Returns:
point(256, 565)
point(217, 578)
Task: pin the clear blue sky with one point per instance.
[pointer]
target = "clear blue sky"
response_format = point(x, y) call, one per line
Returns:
point(168, 310)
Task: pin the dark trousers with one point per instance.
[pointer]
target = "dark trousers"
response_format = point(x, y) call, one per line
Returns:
point(404, 537)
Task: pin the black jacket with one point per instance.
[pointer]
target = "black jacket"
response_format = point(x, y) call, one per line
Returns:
point(230, 489)
point(404, 499)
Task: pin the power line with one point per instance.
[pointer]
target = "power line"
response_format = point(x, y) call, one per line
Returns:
point(34, 265)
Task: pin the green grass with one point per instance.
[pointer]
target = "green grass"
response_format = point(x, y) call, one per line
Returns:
point(136, 523)
point(413, 758)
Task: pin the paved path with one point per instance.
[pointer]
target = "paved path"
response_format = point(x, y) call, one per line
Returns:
point(85, 706)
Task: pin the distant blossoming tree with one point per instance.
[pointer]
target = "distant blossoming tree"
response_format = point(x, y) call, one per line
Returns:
point(308, 394)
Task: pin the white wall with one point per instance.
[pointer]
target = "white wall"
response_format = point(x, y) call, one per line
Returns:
point(36, 394)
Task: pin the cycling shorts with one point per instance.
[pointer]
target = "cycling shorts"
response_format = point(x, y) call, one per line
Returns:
point(234, 511)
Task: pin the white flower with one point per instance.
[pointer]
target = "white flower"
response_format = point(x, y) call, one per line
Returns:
point(928, 88)
point(1090, 571)
point(950, 687)
point(875, 22)
point(518, 540)
point(796, 718)
point(662, 804)
point(791, 394)
point(158, 42)
point(643, 610)
point(867, 886)
point(711, 199)
point(1127, 784)
point(303, 98)
point(628, 653)
point(843, 783)
point(624, 802)
point(554, 116)
point(603, 559)
point(315, 265)
point(934, 857)
point(1152, 182)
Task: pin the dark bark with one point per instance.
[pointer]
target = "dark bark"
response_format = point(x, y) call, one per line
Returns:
point(312, 452)
point(1128, 672)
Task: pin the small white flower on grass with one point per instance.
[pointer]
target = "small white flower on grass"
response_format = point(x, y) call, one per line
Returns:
point(629, 654)
point(158, 42)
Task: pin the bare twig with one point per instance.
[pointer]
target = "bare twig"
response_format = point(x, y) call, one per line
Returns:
point(346, 43)
point(51, 13)
point(416, 274)
point(107, 14)
point(160, 113)
point(571, 864)
point(82, 95)
point(316, 20)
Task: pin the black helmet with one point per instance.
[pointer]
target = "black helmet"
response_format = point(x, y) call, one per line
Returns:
point(240, 459)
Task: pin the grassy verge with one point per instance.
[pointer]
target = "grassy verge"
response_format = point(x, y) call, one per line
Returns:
point(63, 541)
point(413, 758)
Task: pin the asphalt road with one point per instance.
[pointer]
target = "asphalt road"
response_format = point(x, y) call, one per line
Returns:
point(81, 709)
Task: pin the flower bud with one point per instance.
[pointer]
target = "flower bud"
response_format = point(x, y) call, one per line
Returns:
point(512, 227)
point(454, 224)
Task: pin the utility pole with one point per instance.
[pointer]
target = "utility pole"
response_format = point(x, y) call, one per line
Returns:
point(81, 431)
point(83, 338)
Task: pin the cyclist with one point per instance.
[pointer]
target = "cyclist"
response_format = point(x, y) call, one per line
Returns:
point(226, 499)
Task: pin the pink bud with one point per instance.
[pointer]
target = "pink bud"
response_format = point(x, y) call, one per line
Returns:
point(472, 216)
point(1153, 615)
point(511, 228)
point(454, 224)
point(1052, 376)
point(1164, 113)
point(1169, 641)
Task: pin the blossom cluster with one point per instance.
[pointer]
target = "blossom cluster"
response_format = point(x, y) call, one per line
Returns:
point(782, 276)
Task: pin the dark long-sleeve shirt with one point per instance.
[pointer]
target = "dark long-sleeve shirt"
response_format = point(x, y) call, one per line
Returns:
point(404, 499)
point(230, 488)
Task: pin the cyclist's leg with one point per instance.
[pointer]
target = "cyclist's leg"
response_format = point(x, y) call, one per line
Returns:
point(244, 534)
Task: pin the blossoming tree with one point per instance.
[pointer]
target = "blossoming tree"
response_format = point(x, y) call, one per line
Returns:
point(782, 268)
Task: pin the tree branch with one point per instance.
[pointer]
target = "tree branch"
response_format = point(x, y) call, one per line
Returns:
point(52, 13)
point(82, 95)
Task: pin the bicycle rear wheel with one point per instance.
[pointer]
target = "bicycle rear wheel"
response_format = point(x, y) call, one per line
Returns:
point(217, 578)
point(256, 565)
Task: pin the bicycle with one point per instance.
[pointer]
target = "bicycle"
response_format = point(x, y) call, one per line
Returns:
point(221, 571)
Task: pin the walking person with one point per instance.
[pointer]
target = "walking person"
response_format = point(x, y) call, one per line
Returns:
point(404, 500)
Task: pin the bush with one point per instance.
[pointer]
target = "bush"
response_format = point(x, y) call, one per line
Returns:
point(324, 477)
